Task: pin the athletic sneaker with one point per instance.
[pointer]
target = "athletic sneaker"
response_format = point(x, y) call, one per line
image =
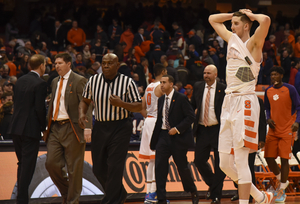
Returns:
point(146, 197)
point(281, 199)
point(152, 197)
point(268, 197)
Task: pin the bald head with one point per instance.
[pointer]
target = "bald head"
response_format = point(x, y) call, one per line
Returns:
point(210, 74)
point(111, 56)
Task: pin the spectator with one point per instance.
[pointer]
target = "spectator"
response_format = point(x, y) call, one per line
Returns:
point(114, 33)
point(192, 50)
point(58, 37)
point(285, 45)
point(176, 61)
point(79, 61)
point(294, 70)
point(24, 64)
point(157, 35)
point(266, 65)
point(270, 47)
point(86, 53)
point(124, 69)
point(145, 45)
point(6, 97)
point(163, 60)
point(127, 37)
point(297, 75)
point(290, 37)
point(11, 65)
point(11, 30)
point(297, 48)
point(130, 58)
point(5, 72)
point(157, 54)
point(195, 40)
point(286, 65)
point(6, 112)
point(138, 53)
point(182, 72)
point(99, 50)
point(76, 36)
point(138, 37)
point(215, 58)
point(171, 70)
point(97, 67)
point(180, 88)
point(25, 50)
point(101, 35)
point(222, 66)
point(206, 59)
point(8, 87)
point(71, 51)
point(188, 91)
point(140, 70)
point(178, 36)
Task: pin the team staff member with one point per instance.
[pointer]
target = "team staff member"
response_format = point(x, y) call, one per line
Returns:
point(207, 98)
point(65, 140)
point(115, 96)
point(172, 135)
point(282, 105)
point(28, 120)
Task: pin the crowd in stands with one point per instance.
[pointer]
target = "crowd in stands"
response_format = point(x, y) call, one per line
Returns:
point(140, 37)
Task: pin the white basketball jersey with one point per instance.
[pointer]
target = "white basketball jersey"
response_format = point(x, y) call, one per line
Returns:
point(151, 99)
point(242, 70)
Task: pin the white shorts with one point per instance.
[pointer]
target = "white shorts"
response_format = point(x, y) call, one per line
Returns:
point(239, 122)
point(145, 151)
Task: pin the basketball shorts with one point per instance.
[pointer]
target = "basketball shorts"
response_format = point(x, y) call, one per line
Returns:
point(145, 151)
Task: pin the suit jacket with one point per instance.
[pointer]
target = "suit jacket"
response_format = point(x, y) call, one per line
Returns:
point(181, 116)
point(29, 117)
point(73, 96)
point(197, 97)
point(137, 40)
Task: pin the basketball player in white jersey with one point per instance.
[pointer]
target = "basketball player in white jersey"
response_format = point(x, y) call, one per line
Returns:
point(240, 111)
point(149, 111)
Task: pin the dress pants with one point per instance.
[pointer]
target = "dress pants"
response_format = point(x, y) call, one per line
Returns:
point(110, 141)
point(63, 149)
point(207, 139)
point(166, 146)
point(26, 150)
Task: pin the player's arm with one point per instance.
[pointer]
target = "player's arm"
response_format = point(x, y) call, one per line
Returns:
point(217, 20)
point(262, 30)
point(144, 111)
point(270, 122)
point(158, 92)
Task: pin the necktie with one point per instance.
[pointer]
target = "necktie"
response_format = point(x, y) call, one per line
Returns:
point(167, 114)
point(205, 118)
point(58, 99)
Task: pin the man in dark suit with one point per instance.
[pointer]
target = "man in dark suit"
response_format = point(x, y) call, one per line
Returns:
point(28, 120)
point(65, 139)
point(172, 135)
point(58, 37)
point(138, 37)
point(207, 99)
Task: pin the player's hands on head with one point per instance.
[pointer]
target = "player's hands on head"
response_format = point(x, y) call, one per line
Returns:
point(295, 127)
point(247, 12)
point(271, 123)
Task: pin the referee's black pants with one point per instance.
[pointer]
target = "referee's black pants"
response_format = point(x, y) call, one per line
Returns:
point(206, 140)
point(110, 141)
point(164, 149)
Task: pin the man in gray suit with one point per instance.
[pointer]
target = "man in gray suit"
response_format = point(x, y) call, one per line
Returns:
point(65, 139)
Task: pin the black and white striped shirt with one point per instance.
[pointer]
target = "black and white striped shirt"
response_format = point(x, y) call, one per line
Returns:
point(99, 90)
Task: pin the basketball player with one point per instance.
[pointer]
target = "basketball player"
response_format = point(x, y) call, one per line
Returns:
point(240, 111)
point(149, 111)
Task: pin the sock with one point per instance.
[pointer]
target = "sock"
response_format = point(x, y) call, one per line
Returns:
point(278, 176)
point(149, 187)
point(243, 201)
point(283, 185)
point(256, 194)
point(153, 187)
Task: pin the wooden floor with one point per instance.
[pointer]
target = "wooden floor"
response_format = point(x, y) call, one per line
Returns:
point(289, 200)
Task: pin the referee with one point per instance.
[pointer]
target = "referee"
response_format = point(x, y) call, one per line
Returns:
point(115, 96)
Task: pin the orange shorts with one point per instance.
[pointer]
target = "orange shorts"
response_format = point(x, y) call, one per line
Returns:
point(279, 146)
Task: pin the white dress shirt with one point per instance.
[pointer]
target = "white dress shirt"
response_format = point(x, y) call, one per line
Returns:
point(212, 119)
point(35, 72)
point(164, 127)
point(62, 112)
